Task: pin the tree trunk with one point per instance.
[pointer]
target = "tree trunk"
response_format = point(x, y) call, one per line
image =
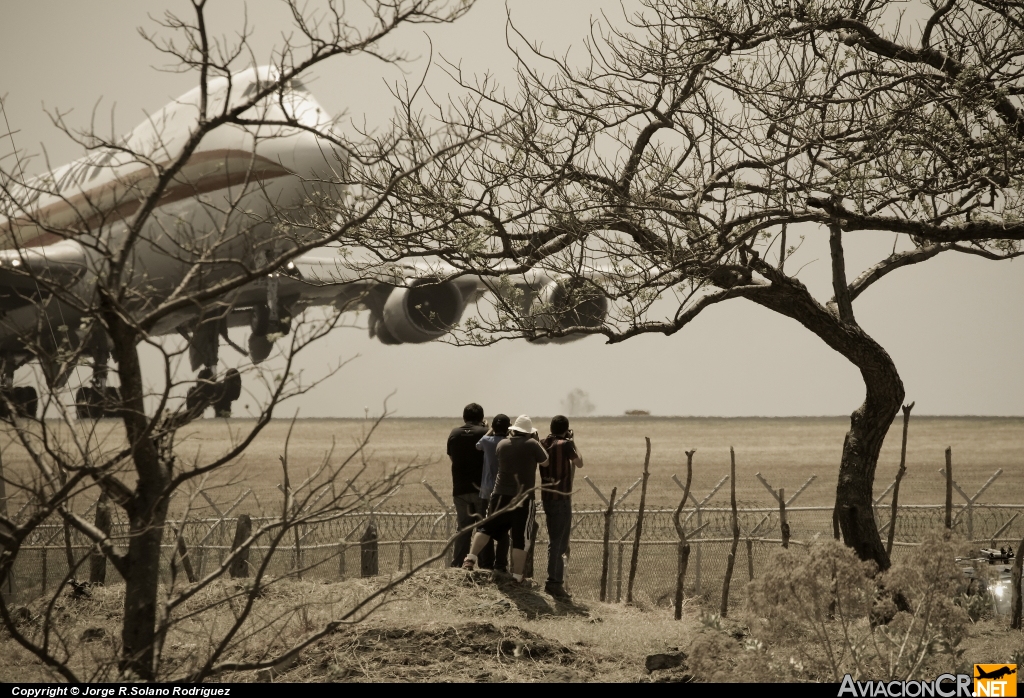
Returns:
point(869, 424)
point(868, 427)
point(138, 634)
point(146, 510)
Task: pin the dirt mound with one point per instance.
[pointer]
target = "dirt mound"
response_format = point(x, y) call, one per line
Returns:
point(471, 651)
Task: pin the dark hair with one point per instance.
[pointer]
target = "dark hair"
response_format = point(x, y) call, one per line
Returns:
point(473, 413)
point(559, 424)
point(500, 424)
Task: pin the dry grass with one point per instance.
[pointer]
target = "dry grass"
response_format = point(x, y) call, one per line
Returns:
point(786, 450)
point(441, 626)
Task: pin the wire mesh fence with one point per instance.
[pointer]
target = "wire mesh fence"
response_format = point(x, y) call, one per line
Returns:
point(387, 542)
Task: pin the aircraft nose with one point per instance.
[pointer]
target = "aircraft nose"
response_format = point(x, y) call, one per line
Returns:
point(321, 165)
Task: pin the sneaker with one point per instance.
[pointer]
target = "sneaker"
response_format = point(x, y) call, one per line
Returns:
point(469, 565)
point(557, 591)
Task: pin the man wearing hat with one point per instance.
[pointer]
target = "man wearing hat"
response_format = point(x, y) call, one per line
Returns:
point(512, 504)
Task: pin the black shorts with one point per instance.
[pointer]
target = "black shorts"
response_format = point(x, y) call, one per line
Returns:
point(518, 522)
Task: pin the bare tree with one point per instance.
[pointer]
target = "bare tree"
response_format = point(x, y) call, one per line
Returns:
point(577, 403)
point(659, 170)
point(203, 210)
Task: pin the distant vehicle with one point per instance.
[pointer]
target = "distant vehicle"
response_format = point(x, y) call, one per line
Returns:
point(78, 211)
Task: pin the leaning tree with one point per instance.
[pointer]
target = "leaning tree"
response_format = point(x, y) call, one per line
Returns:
point(151, 233)
point(661, 169)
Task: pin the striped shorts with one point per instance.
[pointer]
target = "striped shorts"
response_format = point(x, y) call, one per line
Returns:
point(517, 522)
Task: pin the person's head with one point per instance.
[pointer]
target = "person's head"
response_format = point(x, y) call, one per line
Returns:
point(473, 413)
point(559, 425)
point(500, 424)
point(523, 427)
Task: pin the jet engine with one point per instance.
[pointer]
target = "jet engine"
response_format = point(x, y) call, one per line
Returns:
point(420, 312)
point(562, 304)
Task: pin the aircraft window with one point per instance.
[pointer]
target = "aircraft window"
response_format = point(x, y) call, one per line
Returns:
point(294, 84)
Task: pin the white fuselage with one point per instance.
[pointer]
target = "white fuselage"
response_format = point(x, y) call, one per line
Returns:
point(220, 212)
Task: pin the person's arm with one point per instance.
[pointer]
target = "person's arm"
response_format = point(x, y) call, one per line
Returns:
point(577, 459)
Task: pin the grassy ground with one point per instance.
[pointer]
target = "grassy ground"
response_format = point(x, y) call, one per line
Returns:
point(787, 451)
point(447, 625)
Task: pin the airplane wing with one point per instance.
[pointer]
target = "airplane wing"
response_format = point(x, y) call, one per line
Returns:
point(406, 302)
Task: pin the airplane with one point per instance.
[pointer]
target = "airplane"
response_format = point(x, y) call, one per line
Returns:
point(995, 673)
point(221, 213)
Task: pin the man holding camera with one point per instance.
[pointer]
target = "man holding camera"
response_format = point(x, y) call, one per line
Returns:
point(556, 496)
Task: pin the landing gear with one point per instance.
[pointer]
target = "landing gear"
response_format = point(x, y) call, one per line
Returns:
point(98, 400)
point(203, 350)
point(93, 402)
point(219, 394)
point(267, 322)
point(23, 399)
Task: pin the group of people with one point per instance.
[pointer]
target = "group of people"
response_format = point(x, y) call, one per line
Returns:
point(494, 480)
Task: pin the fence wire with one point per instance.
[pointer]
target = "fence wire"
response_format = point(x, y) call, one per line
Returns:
point(331, 550)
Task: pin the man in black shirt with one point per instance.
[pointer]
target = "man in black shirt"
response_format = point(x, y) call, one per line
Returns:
point(467, 471)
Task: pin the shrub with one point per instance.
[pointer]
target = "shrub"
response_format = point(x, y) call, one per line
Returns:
point(817, 611)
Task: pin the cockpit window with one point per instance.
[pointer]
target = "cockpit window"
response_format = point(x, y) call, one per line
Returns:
point(294, 84)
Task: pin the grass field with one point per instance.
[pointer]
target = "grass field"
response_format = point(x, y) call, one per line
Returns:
point(786, 451)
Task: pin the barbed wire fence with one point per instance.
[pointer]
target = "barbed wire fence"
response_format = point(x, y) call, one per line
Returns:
point(382, 542)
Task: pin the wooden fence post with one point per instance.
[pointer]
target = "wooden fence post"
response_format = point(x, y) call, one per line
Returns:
point(698, 506)
point(949, 488)
point(783, 524)
point(240, 565)
point(618, 571)
point(186, 562)
point(683, 549)
point(750, 559)
point(899, 478)
point(735, 533)
point(97, 560)
point(969, 501)
point(639, 523)
point(606, 550)
point(368, 552)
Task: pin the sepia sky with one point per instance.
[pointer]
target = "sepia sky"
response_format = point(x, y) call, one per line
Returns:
point(953, 325)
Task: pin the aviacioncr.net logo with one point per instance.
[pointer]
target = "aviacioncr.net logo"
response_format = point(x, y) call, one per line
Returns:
point(944, 686)
point(995, 680)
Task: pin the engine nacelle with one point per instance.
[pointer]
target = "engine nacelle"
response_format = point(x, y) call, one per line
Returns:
point(420, 312)
point(560, 305)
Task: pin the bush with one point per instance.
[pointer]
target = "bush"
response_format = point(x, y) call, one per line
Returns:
point(818, 612)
